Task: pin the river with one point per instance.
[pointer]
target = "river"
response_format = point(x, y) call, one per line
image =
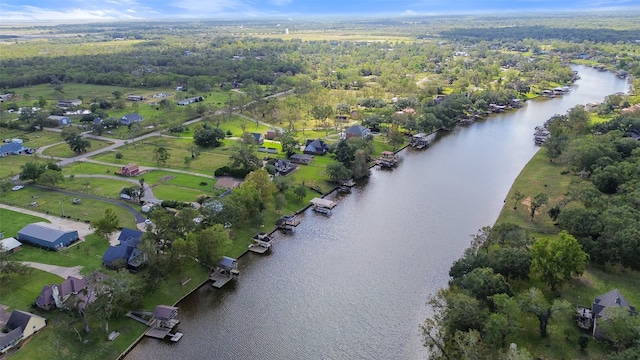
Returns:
point(354, 285)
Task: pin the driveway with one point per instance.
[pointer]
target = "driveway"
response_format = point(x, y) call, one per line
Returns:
point(63, 272)
point(82, 228)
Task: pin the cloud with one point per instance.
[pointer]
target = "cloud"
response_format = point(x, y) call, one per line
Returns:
point(280, 2)
point(32, 13)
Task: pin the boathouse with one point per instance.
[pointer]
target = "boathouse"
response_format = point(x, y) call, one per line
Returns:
point(225, 272)
point(322, 206)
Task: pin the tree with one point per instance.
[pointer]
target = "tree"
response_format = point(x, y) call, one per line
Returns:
point(107, 224)
point(9, 269)
point(77, 143)
point(621, 327)
point(161, 155)
point(300, 191)
point(517, 197)
point(289, 143)
point(503, 322)
point(337, 171)
point(266, 188)
point(212, 243)
point(5, 185)
point(538, 201)
point(533, 301)
point(208, 137)
point(50, 177)
point(512, 263)
point(395, 138)
point(117, 94)
point(483, 283)
point(557, 259)
point(243, 154)
point(31, 171)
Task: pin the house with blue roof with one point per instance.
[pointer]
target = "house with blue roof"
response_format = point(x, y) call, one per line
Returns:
point(131, 119)
point(60, 120)
point(316, 147)
point(15, 147)
point(126, 253)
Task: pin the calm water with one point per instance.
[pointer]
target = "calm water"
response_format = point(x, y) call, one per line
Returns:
point(354, 285)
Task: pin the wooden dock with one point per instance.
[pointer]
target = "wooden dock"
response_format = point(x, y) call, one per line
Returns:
point(225, 272)
point(160, 322)
point(220, 278)
point(323, 206)
point(287, 223)
point(258, 249)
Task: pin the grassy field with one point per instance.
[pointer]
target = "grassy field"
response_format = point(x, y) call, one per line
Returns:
point(11, 222)
point(63, 150)
point(107, 188)
point(21, 292)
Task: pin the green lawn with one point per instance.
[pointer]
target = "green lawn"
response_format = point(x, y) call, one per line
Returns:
point(177, 179)
point(168, 192)
point(107, 188)
point(11, 221)
point(21, 292)
point(63, 150)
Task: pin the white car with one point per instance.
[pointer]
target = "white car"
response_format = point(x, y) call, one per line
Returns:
point(148, 222)
point(17, 187)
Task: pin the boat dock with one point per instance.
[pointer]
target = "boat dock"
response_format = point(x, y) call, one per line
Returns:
point(323, 206)
point(387, 159)
point(225, 272)
point(262, 243)
point(421, 140)
point(160, 322)
point(287, 223)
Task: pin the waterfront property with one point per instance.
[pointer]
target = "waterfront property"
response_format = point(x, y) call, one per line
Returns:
point(262, 243)
point(225, 272)
point(126, 253)
point(48, 236)
point(54, 296)
point(323, 206)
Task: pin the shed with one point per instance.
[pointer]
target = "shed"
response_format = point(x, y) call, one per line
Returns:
point(130, 170)
point(60, 120)
point(48, 236)
point(304, 159)
point(10, 245)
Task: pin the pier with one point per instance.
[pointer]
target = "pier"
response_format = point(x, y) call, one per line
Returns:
point(421, 140)
point(387, 159)
point(160, 322)
point(262, 243)
point(225, 272)
point(287, 223)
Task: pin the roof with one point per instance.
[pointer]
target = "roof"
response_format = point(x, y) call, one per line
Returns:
point(323, 202)
point(302, 156)
point(165, 312)
point(57, 117)
point(133, 117)
point(10, 243)
point(45, 231)
point(129, 234)
point(356, 130)
point(611, 299)
point(115, 253)
point(10, 147)
point(228, 262)
point(72, 285)
point(46, 297)
point(13, 335)
point(19, 319)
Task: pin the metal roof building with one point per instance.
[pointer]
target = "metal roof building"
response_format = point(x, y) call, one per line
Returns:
point(48, 236)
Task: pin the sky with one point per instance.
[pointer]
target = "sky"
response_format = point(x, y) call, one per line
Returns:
point(108, 10)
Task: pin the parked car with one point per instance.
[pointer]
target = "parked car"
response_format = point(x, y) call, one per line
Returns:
point(17, 187)
point(148, 222)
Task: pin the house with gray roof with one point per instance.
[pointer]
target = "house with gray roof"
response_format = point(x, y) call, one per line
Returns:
point(10, 245)
point(48, 236)
point(357, 131)
point(20, 325)
point(605, 302)
point(316, 147)
point(60, 120)
point(131, 119)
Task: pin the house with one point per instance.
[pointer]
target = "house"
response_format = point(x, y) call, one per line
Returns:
point(10, 245)
point(130, 170)
point(15, 147)
point(131, 119)
point(190, 100)
point(357, 131)
point(60, 120)
point(135, 98)
point(303, 159)
point(48, 236)
point(52, 296)
point(126, 253)
point(45, 300)
point(64, 104)
point(21, 325)
point(316, 147)
point(97, 121)
point(284, 167)
point(258, 138)
point(612, 299)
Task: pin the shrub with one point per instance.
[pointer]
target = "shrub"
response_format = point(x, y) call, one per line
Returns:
point(119, 155)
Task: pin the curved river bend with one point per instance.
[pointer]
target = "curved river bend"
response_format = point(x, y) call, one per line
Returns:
point(354, 285)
